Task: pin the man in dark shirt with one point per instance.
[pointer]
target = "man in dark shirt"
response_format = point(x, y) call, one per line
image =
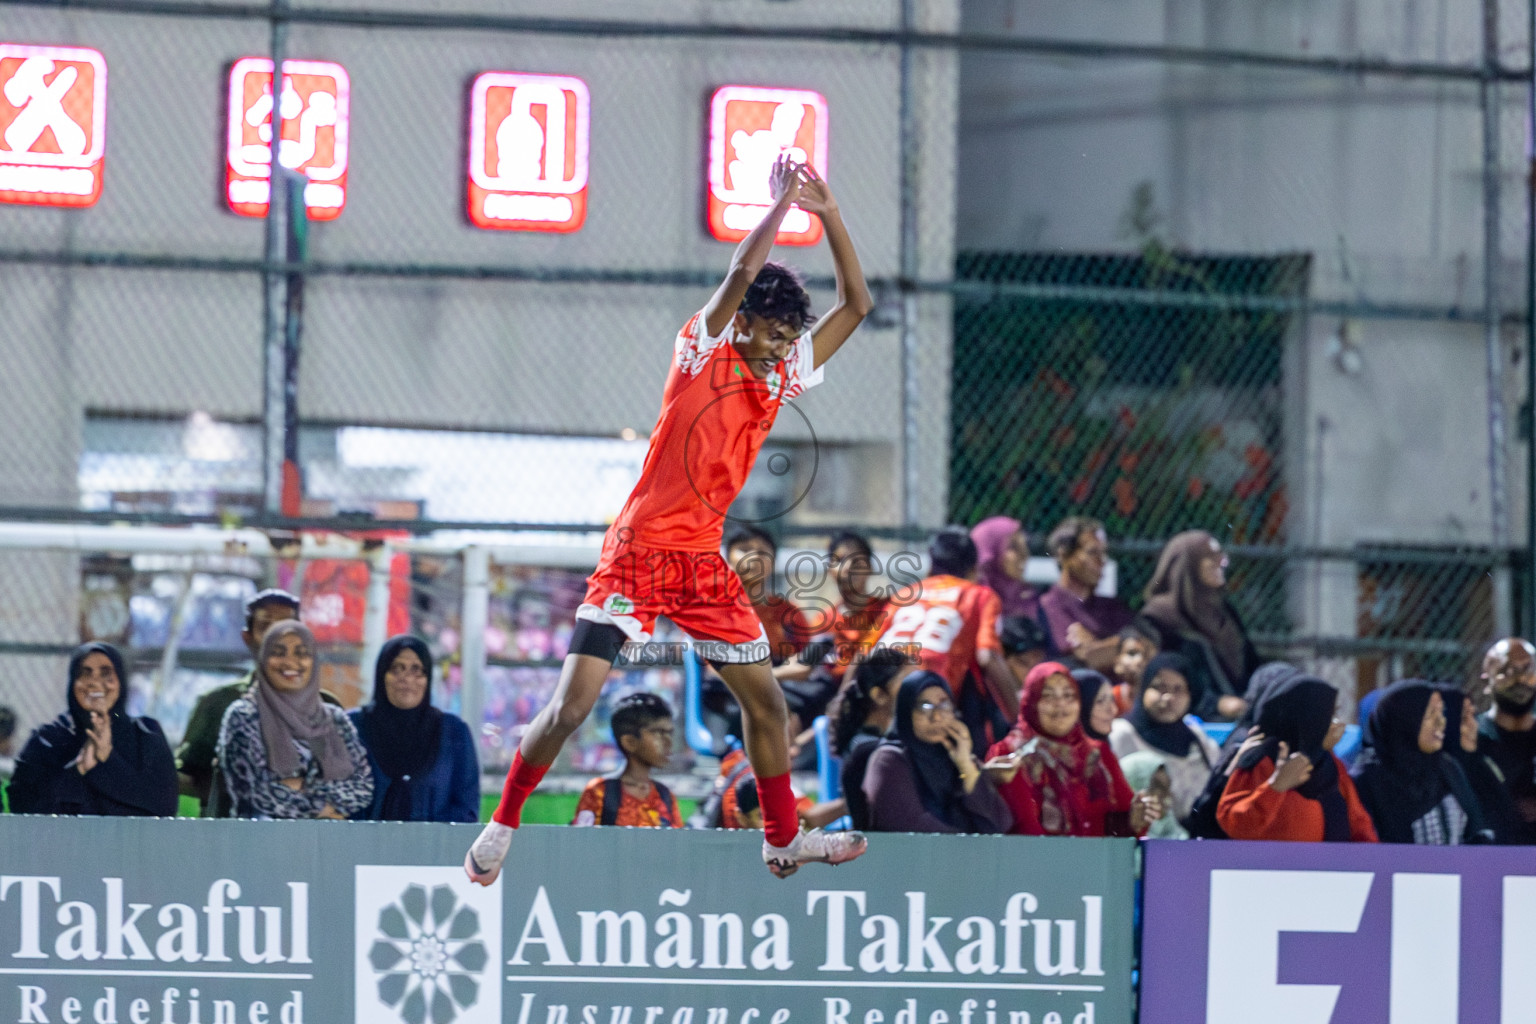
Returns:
point(197, 757)
point(1507, 731)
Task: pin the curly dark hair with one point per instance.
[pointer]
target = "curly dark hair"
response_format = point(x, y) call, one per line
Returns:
point(777, 293)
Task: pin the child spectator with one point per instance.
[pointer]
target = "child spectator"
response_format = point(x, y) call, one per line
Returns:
point(1414, 792)
point(643, 731)
point(1147, 771)
point(749, 813)
point(1287, 784)
point(1138, 645)
point(1201, 822)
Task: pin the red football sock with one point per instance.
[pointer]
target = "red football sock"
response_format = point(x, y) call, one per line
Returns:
point(781, 822)
point(522, 780)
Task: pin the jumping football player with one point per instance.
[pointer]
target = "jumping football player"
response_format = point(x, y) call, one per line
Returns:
point(734, 364)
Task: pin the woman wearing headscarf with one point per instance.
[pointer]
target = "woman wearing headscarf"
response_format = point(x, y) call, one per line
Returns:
point(1287, 784)
point(1157, 723)
point(1061, 782)
point(923, 776)
point(1096, 700)
point(285, 753)
point(94, 758)
point(423, 760)
point(1413, 790)
point(1495, 804)
point(1187, 601)
point(1002, 551)
point(1146, 771)
point(1201, 821)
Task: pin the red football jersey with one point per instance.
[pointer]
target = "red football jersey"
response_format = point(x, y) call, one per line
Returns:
point(714, 417)
point(951, 620)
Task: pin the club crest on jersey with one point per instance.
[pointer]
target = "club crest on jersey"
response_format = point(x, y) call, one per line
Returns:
point(617, 604)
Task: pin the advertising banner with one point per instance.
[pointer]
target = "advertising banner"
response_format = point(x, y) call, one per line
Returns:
point(1313, 933)
point(123, 921)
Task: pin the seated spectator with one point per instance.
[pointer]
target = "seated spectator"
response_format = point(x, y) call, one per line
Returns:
point(197, 757)
point(845, 633)
point(749, 810)
point(752, 553)
point(1287, 785)
point(1083, 624)
point(1413, 790)
point(285, 753)
point(1507, 731)
point(1201, 821)
point(951, 625)
point(863, 712)
point(924, 777)
point(1187, 602)
point(1138, 645)
point(94, 758)
point(1146, 771)
point(423, 760)
point(1157, 723)
point(643, 731)
point(1498, 809)
point(1059, 782)
point(1024, 642)
point(1097, 698)
point(1002, 552)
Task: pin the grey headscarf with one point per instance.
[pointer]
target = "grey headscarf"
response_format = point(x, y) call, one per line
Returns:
point(289, 715)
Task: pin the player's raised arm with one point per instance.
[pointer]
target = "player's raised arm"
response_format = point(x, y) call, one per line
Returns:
point(853, 299)
point(785, 183)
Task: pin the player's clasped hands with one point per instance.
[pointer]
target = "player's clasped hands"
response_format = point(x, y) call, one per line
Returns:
point(804, 187)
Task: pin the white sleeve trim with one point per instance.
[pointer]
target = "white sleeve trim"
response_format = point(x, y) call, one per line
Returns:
point(801, 368)
point(693, 347)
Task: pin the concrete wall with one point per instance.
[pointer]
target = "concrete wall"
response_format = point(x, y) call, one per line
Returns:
point(1378, 178)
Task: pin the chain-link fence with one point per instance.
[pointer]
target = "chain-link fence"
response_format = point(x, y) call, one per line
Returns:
point(1263, 277)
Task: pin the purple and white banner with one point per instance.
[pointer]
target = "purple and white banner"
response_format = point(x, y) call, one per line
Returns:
point(1338, 933)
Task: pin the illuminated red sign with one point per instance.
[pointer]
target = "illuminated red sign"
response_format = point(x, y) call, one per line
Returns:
point(750, 128)
point(313, 115)
point(53, 124)
point(528, 139)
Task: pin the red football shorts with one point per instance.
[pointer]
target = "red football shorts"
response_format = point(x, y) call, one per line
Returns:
point(697, 590)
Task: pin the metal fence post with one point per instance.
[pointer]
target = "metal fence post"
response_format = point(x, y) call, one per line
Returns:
point(911, 478)
point(274, 291)
point(473, 617)
point(1498, 487)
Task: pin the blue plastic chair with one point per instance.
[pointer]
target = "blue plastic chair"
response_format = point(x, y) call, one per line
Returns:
point(695, 733)
point(1348, 748)
point(1218, 731)
point(829, 770)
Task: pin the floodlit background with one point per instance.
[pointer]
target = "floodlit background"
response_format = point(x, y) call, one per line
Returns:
point(1256, 269)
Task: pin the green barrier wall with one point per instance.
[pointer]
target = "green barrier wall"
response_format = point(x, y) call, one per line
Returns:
point(126, 921)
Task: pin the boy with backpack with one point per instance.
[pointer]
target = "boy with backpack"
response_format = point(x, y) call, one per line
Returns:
point(643, 731)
